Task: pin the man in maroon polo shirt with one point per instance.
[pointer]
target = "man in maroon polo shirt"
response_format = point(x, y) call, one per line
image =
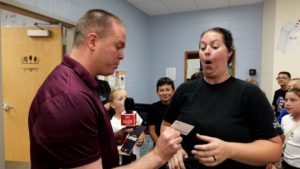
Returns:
point(68, 125)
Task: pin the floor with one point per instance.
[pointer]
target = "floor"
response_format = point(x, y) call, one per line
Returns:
point(17, 165)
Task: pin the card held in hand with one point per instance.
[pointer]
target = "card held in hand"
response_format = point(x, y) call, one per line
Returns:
point(182, 127)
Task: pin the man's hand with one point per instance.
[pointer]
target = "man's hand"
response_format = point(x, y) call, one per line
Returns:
point(168, 144)
point(121, 135)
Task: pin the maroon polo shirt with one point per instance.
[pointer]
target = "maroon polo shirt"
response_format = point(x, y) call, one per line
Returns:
point(68, 125)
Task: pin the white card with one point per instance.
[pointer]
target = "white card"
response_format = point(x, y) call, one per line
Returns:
point(182, 127)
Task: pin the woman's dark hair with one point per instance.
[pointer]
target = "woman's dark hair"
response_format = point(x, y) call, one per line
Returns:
point(227, 38)
point(197, 75)
point(165, 81)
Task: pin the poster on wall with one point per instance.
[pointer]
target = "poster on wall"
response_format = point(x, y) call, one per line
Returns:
point(116, 80)
point(121, 79)
point(289, 37)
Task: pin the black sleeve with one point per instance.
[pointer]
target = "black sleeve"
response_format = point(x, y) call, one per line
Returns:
point(172, 112)
point(151, 119)
point(104, 91)
point(258, 113)
point(274, 99)
point(106, 86)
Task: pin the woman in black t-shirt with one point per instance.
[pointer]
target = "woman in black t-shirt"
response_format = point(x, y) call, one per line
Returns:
point(232, 119)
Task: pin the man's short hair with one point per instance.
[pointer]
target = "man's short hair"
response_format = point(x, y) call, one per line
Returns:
point(285, 73)
point(97, 21)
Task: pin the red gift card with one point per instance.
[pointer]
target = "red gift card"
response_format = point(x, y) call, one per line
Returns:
point(128, 120)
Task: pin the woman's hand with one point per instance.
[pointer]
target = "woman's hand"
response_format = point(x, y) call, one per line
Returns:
point(212, 153)
point(176, 162)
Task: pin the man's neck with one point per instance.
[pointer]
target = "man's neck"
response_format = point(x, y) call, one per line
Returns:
point(284, 87)
point(79, 54)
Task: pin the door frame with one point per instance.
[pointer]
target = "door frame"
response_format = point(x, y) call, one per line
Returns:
point(28, 11)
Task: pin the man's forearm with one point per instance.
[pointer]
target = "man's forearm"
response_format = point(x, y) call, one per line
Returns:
point(149, 161)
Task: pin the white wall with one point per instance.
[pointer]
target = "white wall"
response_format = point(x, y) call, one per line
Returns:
point(276, 14)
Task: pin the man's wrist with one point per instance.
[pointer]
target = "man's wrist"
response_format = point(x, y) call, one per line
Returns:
point(158, 156)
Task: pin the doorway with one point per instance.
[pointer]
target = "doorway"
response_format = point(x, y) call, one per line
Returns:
point(25, 63)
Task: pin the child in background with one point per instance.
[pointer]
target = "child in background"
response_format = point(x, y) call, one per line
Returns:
point(295, 82)
point(117, 98)
point(164, 89)
point(291, 127)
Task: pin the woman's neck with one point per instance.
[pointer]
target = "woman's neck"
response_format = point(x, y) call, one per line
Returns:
point(213, 81)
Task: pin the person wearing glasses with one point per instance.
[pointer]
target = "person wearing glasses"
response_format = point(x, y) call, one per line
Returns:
point(283, 79)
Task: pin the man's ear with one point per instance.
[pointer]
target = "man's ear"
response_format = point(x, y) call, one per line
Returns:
point(91, 40)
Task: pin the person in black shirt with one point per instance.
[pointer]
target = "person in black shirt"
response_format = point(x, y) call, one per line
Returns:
point(232, 119)
point(283, 80)
point(164, 89)
point(104, 92)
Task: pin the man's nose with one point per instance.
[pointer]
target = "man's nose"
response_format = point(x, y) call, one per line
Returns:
point(121, 55)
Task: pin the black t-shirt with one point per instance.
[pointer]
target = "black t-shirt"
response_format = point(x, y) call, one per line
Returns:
point(104, 91)
point(157, 111)
point(278, 100)
point(233, 110)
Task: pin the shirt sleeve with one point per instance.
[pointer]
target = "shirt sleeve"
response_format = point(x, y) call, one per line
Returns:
point(259, 114)
point(151, 116)
point(274, 99)
point(284, 122)
point(178, 98)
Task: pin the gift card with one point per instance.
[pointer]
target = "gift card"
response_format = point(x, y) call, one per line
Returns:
point(182, 127)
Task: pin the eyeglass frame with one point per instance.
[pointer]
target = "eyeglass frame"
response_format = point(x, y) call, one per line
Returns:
point(283, 78)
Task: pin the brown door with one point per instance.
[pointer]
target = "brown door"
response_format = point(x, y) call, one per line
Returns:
point(26, 62)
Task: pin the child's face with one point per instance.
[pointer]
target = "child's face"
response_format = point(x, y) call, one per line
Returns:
point(118, 102)
point(292, 103)
point(165, 93)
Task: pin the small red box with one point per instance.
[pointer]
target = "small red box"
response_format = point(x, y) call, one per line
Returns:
point(128, 119)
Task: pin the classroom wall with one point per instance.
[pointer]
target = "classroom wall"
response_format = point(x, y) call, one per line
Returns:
point(268, 46)
point(157, 42)
point(172, 35)
point(276, 15)
point(136, 62)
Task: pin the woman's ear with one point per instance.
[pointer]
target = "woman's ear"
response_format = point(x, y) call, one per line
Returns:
point(229, 56)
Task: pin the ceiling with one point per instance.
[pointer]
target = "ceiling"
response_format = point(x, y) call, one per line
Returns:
point(161, 7)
